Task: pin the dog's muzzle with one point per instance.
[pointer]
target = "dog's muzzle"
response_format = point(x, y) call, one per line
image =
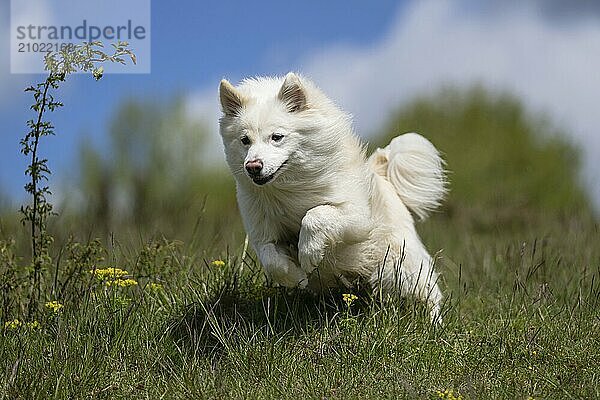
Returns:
point(254, 169)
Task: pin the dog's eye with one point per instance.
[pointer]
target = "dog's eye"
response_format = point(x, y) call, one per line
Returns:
point(245, 140)
point(276, 137)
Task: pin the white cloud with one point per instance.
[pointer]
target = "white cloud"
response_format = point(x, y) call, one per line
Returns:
point(5, 79)
point(36, 10)
point(205, 107)
point(552, 66)
point(24, 13)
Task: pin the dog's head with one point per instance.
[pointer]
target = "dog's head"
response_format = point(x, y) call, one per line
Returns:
point(263, 124)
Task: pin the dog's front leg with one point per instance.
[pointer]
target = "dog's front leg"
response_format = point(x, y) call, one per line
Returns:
point(280, 267)
point(328, 225)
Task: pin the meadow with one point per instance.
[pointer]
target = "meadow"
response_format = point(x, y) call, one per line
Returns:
point(163, 299)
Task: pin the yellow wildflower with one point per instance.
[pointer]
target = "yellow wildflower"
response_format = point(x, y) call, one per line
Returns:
point(55, 306)
point(106, 273)
point(14, 324)
point(155, 287)
point(33, 325)
point(122, 282)
point(349, 298)
point(218, 263)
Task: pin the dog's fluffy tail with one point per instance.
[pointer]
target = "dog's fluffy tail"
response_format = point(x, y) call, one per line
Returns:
point(414, 167)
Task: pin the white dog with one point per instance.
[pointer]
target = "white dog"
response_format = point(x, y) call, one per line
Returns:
point(317, 212)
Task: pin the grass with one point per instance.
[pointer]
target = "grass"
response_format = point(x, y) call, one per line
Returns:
point(521, 319)
point(520, 271)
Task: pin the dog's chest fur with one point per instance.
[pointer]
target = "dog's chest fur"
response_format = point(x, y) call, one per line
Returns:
point(278, 212)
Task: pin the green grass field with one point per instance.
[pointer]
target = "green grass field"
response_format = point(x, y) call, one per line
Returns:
point(521, 319)
point(520, 271)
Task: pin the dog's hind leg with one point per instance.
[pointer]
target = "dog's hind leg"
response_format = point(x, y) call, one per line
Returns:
point(407, 277)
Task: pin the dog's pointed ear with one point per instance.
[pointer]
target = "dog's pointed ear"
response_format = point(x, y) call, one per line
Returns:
point(231, 100)
point(292, 93)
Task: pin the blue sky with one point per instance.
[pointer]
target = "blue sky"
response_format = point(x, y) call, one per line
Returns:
point(194, 45)
point(370, 57)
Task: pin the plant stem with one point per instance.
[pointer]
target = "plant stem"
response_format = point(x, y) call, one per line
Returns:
point(34, 180)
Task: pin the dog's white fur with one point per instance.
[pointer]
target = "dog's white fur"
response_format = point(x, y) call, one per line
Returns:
point(328, 215)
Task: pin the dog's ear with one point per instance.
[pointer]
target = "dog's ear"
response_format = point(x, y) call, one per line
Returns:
point(292, 93)
point(231, 100)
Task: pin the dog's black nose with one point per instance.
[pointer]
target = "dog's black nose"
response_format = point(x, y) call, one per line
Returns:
point(254, 167)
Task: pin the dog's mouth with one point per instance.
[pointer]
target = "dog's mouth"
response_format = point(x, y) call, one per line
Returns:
point(262, 180)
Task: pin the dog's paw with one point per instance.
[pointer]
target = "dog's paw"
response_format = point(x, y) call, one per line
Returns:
point(288, 275)
point(280, 268)
point(313, 240)
point(311, 250)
